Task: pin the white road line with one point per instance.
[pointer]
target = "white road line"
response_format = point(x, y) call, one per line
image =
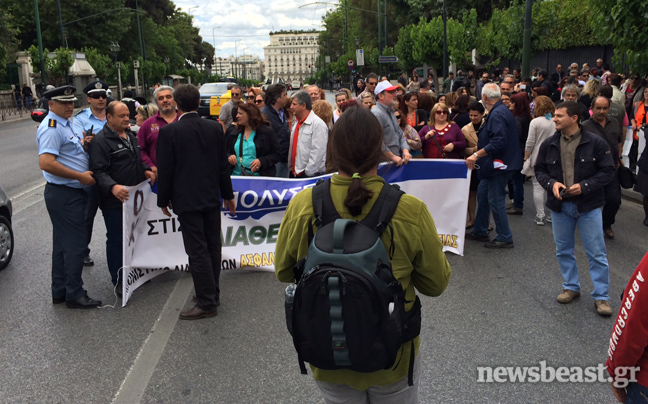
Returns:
point(30, 190)
point(137, 379)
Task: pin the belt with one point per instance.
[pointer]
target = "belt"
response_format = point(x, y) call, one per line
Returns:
point(64, 186)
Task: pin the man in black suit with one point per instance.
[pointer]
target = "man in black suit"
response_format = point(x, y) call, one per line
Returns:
point(193, 175)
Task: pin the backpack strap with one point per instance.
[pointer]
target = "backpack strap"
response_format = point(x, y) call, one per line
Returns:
point(323, 208)
point(384, 208)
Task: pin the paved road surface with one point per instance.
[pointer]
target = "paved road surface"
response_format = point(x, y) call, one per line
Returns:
point(499, 310)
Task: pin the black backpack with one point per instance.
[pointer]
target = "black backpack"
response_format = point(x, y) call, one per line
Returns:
point(348, 310)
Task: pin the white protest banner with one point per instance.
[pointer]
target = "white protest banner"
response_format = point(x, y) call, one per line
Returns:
point(153, 242)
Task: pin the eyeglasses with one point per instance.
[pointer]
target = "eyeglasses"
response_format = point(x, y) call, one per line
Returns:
point(258, 101)
point(236, 94)
point(374, 83)
point(585, 75)
point(441, 112)
point(398, 117)
point(97, 96)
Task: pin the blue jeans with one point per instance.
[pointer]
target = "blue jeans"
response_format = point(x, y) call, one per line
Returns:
point(491, 196)
point(636, 394)
point(590, 226)
point(282, 170)
point(114, 240)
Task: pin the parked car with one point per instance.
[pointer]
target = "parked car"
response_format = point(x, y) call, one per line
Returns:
point(209, 91)
point(296, 85)
point(270, 82)
point(6, 233)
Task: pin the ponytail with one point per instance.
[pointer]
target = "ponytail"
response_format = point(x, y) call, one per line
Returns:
point(357, 196)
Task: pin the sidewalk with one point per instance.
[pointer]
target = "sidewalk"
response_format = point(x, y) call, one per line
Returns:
point(27, 115)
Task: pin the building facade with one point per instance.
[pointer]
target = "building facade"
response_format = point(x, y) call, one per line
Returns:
point(291, 55)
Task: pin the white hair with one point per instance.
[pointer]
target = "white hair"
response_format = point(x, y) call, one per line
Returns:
point(161, 88)
point(491, 91)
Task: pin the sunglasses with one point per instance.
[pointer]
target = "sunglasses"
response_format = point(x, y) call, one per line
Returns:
point(372, 83)
point(97, 96)
point(236, 94)
point(441, 112)
point(398, 117)
point(258, 101)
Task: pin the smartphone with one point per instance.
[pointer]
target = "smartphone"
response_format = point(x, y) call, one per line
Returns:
point(90, 133)
point(563, 192)
point(522, 86)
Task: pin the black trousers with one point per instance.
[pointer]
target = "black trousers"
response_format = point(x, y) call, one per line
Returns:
point(66, 207)
point(202, 241)
point(612, 201)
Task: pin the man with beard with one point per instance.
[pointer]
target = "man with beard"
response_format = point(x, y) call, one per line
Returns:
point(148, 133)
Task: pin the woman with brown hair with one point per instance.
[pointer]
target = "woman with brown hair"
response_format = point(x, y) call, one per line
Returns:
point(540, 129)
point(476, 114)
point(342, 96)
point(522, 113)
point(414, 117)
point(411, 135)
point(459, 114)
point(442, 138)
point(356, 141)
point(253, 148)
point(450, 99)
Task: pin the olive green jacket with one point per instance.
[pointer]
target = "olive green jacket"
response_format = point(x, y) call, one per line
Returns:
point(418, 261)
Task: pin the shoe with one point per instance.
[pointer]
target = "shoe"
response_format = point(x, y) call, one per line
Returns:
point(87, 261)
point(84, 302)
point(645, 222)
point(197, 313)
point(490, 228)
point(567, 296)
point(539, 221)
point(195, 299)
point(469, 226)
point(509, 204)
point(514, 211)
point(58, 300)
point(499, 244)
point(118, 289)
point(477, 237)
point(603, 308)
point(609, 233)
point(548, 219)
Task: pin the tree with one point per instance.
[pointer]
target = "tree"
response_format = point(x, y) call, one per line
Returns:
point(56, 66)
point(100, 62)
point(8, 41)
point(623, 24)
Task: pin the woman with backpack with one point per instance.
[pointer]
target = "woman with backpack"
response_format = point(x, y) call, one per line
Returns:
point(356, 142)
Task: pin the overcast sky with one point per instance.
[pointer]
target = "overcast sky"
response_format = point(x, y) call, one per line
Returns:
point(250, 21)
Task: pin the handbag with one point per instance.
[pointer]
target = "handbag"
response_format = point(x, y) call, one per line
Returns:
point(437, 143)
point(626, 177)
point(527, 168)
point(244, 171)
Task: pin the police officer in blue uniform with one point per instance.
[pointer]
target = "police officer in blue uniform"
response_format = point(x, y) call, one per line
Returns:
point(64, 161)
point(93, 117)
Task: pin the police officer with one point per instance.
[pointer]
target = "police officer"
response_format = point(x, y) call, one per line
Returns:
point(63, 159)
point(93, 117)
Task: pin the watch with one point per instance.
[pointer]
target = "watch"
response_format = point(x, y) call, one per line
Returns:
point(475, 154)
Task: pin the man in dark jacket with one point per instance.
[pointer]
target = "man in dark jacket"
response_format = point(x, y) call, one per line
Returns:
point(193, 176)
point(275, 99)
point(498, 156)
point(116, 162)
point(573, 166)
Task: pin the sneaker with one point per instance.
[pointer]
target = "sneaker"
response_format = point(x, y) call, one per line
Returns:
point(567, 296)
point(603, 308)
point(477, 237)
point(499, 244)
point(539, 221)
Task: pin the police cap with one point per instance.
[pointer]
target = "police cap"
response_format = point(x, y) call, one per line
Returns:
point(61, 94)
point(96, 87)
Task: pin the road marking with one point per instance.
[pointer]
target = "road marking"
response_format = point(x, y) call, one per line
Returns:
point(30, 190)
point(137, 379)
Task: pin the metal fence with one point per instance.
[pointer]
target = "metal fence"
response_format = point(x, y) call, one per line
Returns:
point(9, 109)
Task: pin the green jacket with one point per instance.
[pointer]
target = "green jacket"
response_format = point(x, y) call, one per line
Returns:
point(418, 261)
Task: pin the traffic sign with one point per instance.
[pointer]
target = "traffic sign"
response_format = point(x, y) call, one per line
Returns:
point(360, 57)
point(136, 64)
point(350, 63)
point(387, 59)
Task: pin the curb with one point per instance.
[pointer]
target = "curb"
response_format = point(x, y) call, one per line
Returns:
point(631, 195)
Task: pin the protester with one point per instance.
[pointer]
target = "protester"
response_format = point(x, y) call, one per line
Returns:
point(571, 93)
point(476, 113)
point(367, 101)
point(460, 114)
point(590, 91)
point(498, 156)
point(617, 96)
point(415, 117)
point(116, 163)
point(314, 92)
point(308, 139)
point(639, 125)
point(27, 95)
point(277, 115)
point(225, 117)
point(144, 112)
point(356, 143)
point(251, 94)
point(540, 129)
point(394, 145)
point(150, 129)
point(360, 86)
point(616, 113)
point(575, 196)
point(447, 83)
point(442, 138)
point(522, 113)
point(193, 177)
point(608, 130)
point(414, 84)
point(450, 99)
point(340, 97)
point(411, 135)
point(324, 111)
point(259, 100)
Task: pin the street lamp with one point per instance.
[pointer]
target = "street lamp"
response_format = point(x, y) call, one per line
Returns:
point(445, 40)
point(191, 43)
point(114, 47)
point(214, 38)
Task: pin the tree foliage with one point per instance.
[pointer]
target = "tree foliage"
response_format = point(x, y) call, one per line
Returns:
point(56, 66)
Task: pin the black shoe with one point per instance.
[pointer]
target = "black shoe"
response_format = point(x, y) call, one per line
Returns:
point(499, 244)
point(118, 289)
point(87, 261)
point(645, 222)
point(84, 302)
point(477, 237)
point(58, 300)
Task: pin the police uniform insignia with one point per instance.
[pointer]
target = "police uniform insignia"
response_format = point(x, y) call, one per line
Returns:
point(52, 123)
point(68, 91)
point(98, 85)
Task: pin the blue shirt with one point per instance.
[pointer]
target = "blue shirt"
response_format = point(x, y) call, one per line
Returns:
point(86, 119)
point(56, 136)
point(249, 153)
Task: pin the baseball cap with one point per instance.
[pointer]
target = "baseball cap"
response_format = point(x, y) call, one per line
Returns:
point(384, 86)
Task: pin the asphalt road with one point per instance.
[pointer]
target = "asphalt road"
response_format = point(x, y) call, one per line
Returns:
point(499, 310)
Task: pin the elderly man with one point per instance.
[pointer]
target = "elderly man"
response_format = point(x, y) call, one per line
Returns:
point(558, 75)
point(150, 129)
point(116, 163)
point(225, 117)
point(498, 156)
point(573, 166)
point(63, 159)
point(88, 122)
point(308, 139)
point(314, 93)
point(617, 95)
point(608, 130)
point(394, 147)
point(571, 92)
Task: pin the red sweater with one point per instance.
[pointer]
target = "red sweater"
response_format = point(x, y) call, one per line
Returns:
point(629, 340)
